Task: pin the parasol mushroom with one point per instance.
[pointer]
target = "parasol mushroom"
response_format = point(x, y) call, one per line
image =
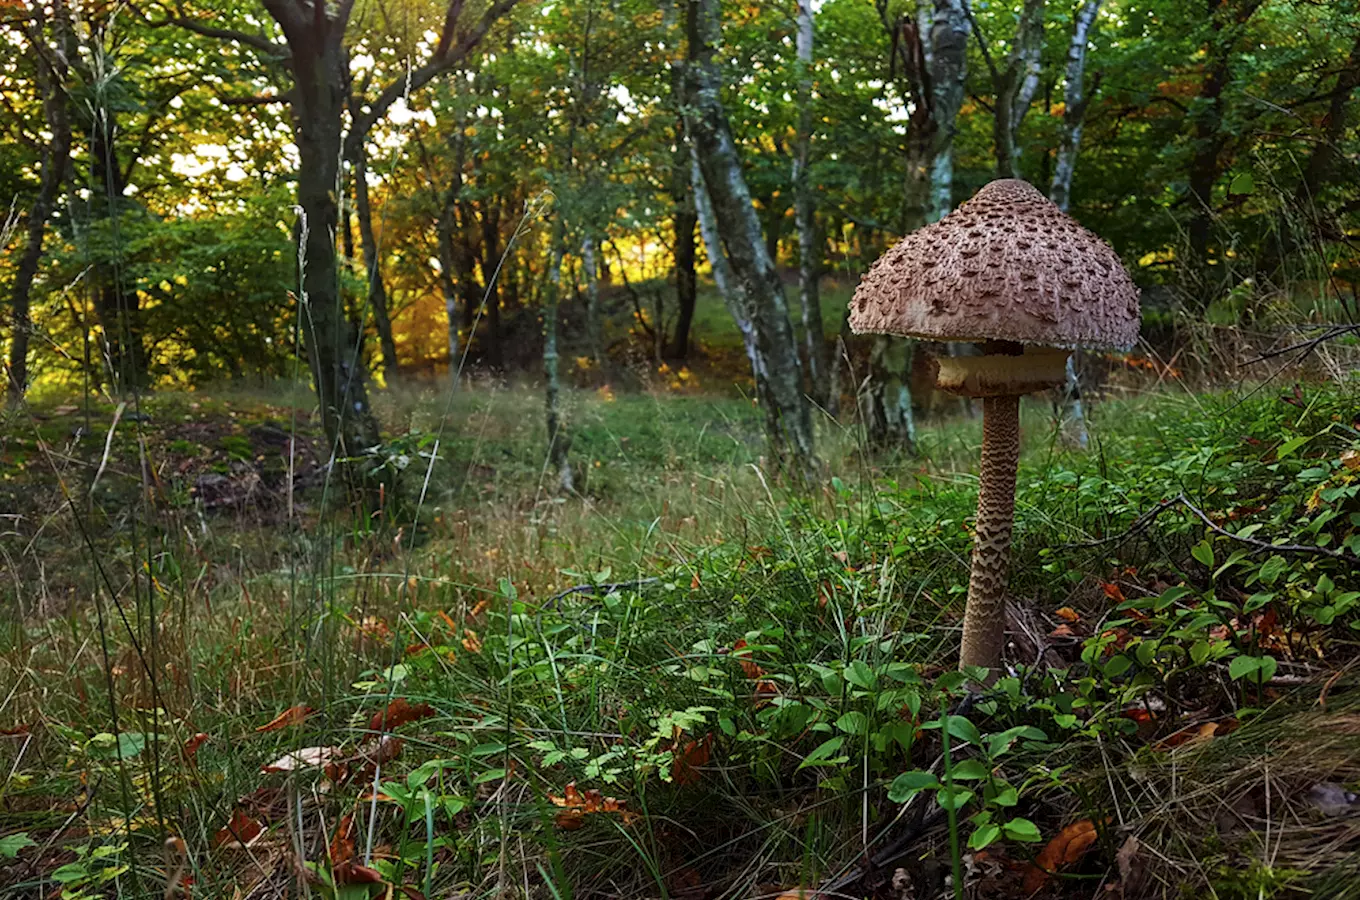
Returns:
point(1010, 271)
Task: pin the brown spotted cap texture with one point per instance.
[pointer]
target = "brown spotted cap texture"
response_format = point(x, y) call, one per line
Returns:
point(1008, 265)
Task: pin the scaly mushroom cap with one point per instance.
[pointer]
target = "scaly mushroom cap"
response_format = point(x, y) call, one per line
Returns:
point(1008, 265)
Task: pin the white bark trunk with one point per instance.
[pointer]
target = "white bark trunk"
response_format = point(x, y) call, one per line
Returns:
point(1075, 101)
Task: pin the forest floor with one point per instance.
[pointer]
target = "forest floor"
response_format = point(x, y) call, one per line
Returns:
point(687, 680)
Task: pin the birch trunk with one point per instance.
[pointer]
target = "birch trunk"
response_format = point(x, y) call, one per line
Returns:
point(949, 70)
point(788, 421)
point(1015, 87)
point(805, 212)
point(588, 261)
point(559, 440)
point(1075, 101)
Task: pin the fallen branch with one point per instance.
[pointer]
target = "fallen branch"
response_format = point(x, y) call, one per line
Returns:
point(1142, 522)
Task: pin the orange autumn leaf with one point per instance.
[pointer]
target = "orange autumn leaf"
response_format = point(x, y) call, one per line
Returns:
point(1113, 592)
point(398, 713)
point(192, 744)
point(1068, 614)
point(293, 715)
point(1066, 847)
point(688, 756)
point(748, 666)
point(240, 831)
point(1195, 734)
point(1063, 630)
point(341, 849)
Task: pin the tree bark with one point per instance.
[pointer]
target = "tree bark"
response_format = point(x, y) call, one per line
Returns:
point(684, 219)
point(491, 265)
point(723, 278)
point(322, 75)
point(559, 438)
point(787, 419)
point(1075, 101)
point(805, 213)
point(377, 290)
point(949, 69)
point(50, 79)
point(589, 263)
point(446, 226)
point(1015, 87)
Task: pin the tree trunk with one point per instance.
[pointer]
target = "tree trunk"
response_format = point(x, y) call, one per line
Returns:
point(684, 219)
point(1015, 87)
point(805, 206)
point(50, 78)
point(723, 278)
point(559, 438)
point(446, 226)
point(377, 291)
point(588, 262)
point(788, 422)
point(1075, 101)
point(885, 402)
point(317, 114)
point(491, 266)
point(949, 70)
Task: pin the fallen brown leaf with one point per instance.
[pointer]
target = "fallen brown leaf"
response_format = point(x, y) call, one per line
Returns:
point(293, 715)
point(398, 713)
point(1066, 847)
point(241, 831)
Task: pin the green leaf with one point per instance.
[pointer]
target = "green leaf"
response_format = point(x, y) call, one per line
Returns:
point(909, 784)
point(964, 730)
point(12, 844)
point(969, 770)
point(860, 675)
point(1289, 446)
point(1203, 554)
point(1242, 183)
point(853, 723)
point(954, 798)
point(1262, 668)
point(984, 836)
point(823, 750)
point(1022, 830)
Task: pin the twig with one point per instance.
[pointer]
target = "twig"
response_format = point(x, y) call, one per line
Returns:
point(1142, 522)
point(1335, 331)
point(607, 588)
point(108, 445)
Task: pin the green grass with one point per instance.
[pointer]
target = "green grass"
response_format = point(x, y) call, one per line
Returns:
point(147, 616)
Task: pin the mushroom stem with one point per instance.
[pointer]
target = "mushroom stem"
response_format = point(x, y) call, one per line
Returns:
point(984, 619)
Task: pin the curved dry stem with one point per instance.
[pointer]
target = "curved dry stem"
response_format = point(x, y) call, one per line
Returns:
point(984, 619)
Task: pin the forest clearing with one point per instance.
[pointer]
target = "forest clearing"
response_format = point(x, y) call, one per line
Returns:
point(886, 449)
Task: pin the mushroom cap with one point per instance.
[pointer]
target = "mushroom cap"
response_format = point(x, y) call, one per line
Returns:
point(1007, 265)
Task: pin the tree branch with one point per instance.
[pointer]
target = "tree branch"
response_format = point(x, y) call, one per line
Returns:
point(439, 62)
point(982, 41)
point(255, 41)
